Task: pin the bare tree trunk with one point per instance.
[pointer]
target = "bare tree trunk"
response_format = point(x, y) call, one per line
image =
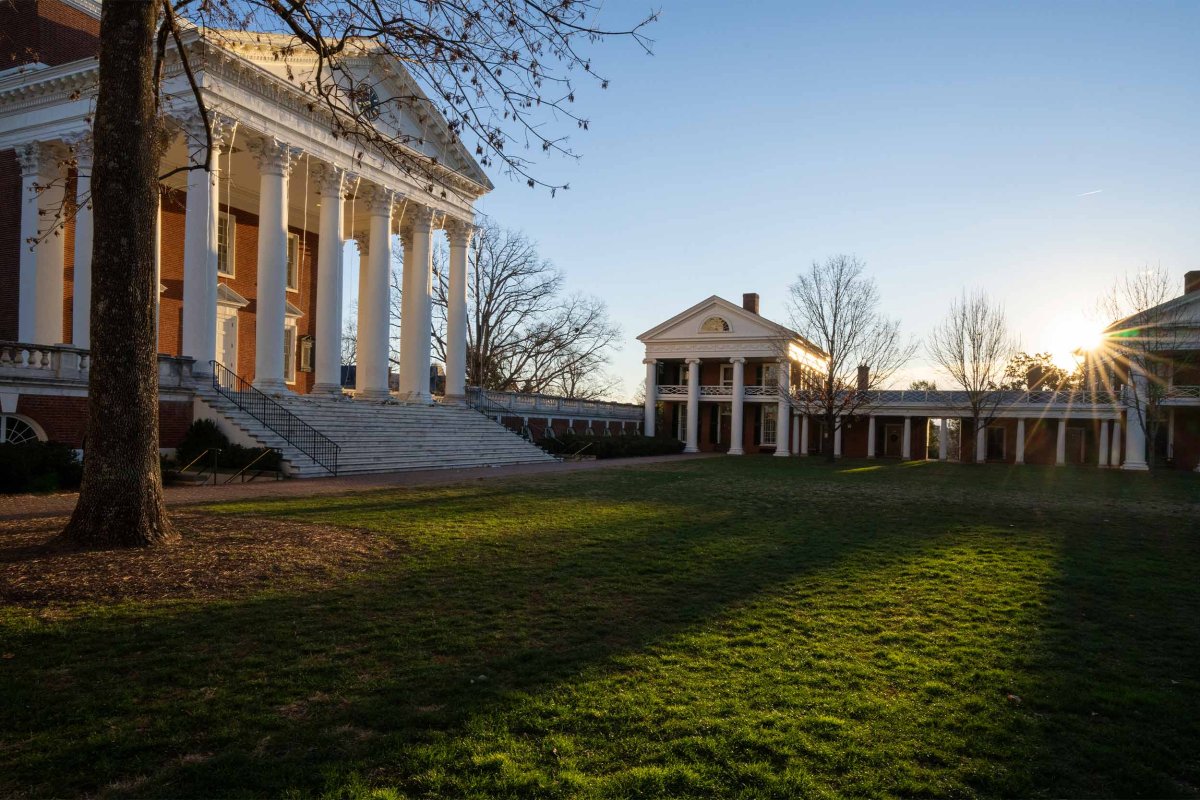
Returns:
point(121, 499)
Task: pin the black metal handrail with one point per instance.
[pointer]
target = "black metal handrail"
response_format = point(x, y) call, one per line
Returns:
point(295, 431)
point(482, 401)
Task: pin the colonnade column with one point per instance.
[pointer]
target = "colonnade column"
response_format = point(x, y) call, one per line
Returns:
point(1060, 447)
point(40, 292)
point(737, 427)
point(374, 300)
point(691, 444)
point(1135, 430)
point(870, 436)
point(416, 315)
point(1114, 459)
point(837, 436)
point(906, 445)
point(804, 434)
point(456, 312)
point(651, 395)
point(200, 249)
point(328, 358)
point(1102, 454)
point(274, 166)
point(981, 443)
point(1020, 459)
point(944, 440)
point(81, 302)
point(783, 417)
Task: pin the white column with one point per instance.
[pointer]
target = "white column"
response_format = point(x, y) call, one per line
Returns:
point(374, 301)
point(1060, 447)
point(944, 440)
point(804, 434)
point(200, 249)
point(274, 165)
point(651, 395)
point(837, 437)
point(328, 341)
point(737, 416)
point(693, 407)
point(795, 434)
point(456, 312)
point(81, 304)
point(1020, 459)
point(870, 436)
point(981, 444)
point(1102, 455)
point(783, 416)
point(1114, 459)
point(1171, 433)
point(362, 241)
point(1135, 430)
point(906, 445)
point(416, 311)
point(40, 294)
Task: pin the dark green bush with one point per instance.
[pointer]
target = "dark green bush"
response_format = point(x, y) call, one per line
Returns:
point(622, 446)
point(204, 434)
point(38, 467)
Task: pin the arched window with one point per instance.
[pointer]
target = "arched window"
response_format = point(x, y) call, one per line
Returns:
point(714, 325)
point(14, 430)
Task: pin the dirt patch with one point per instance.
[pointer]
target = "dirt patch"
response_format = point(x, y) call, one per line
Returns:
point(218, 556)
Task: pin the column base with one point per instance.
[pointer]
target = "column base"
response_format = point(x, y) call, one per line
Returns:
point(416, 398)
point(738, 452)
point(454, 400)
point(373, 395)
point(782, 454)
point(1134, 466)
point(272, 386)
point(691, 450)
point(327, 388)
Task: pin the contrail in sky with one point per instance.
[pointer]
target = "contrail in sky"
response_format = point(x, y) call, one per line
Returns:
point(1085, 194)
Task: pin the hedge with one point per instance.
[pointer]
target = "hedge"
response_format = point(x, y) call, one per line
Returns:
point(204, 434)
point(38, 467)
point(622, 446)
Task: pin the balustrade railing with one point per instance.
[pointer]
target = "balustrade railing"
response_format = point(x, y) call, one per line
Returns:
point(295, 431)
point(21, 360)
point(938, 398)
point(519, 404)
point(1183, 392)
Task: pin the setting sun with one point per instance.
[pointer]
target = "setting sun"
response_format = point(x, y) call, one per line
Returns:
point(1069, 336)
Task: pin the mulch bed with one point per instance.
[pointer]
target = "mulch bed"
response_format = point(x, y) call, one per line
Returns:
point(217, 556)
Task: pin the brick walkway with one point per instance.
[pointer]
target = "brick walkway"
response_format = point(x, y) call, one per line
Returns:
point(43, 505)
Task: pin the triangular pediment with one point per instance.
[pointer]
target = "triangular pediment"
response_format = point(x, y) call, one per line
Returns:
point(226, 296)
point(715, 318)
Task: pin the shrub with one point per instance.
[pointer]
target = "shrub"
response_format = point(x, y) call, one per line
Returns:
point(203, 434)
point(622, 446)
point(38, 467)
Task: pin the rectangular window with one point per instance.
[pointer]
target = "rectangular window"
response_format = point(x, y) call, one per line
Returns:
point(770, 377)
point(293, 262)
point(226, 228)
point(727, 374)
point(289, 352)
point(770, 416)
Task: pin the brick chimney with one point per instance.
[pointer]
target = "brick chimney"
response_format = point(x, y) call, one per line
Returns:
point(750, 301)
point(1191, 281)
point(864, 377)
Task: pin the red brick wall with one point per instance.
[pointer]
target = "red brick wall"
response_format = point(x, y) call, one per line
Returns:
point(64, 419)
point(170, 308)
point(10, 239)
point(47, 31)
point(1187, 438)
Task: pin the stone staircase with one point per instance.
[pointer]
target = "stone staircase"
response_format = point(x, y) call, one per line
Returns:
point(384, 437)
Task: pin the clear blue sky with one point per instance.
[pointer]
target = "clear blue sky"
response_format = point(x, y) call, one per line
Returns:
point(1036, 150)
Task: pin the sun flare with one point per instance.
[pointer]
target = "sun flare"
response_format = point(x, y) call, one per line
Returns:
point(1072, 338)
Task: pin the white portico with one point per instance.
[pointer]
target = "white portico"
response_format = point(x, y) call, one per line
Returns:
point(252, 234)
point(718, 377)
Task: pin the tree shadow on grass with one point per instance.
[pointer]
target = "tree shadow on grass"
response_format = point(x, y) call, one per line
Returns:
point(296, 691)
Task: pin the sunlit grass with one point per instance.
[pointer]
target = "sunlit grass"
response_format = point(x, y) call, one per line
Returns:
point(727, 628)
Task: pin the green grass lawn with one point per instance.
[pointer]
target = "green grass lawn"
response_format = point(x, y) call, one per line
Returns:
point(749, 627)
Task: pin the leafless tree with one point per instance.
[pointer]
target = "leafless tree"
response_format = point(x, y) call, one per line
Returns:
point(500, 73)
point(835, 306)
point(973, 346)
point(1149, 338)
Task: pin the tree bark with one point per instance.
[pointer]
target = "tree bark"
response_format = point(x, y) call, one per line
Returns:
point(121, 499)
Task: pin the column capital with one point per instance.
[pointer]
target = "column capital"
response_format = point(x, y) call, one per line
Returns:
point(380, 201)
point(737, 360)
point(330, 180)
point(362, 239)
point(273, 156)
point(40, 158)
point(649, 360)
point(195, 133)
point(417, 219)
point(459, 231)
point(692, 361)
point(81, 149)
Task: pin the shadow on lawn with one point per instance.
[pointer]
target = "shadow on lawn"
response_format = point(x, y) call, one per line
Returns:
point(296, 692)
